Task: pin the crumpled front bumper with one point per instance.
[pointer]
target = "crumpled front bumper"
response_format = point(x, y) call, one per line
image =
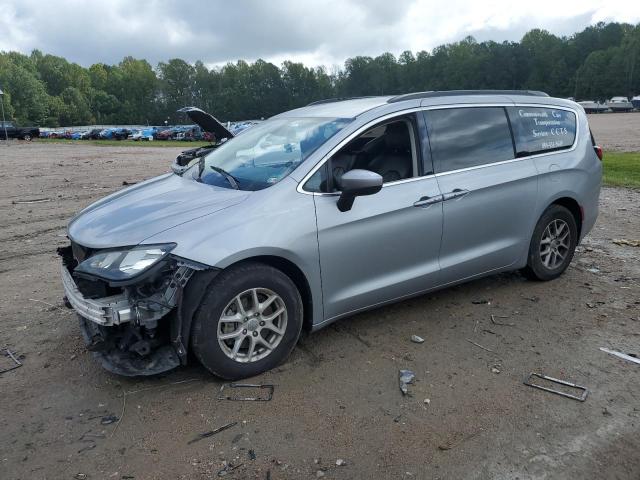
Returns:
point(106, 311)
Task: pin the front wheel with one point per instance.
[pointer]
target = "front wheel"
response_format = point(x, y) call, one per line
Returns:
point(248, 322)
point(552, 245)
point(27, 137)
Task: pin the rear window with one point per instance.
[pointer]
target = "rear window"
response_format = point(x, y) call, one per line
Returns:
point(468, 137)
point(540, 130)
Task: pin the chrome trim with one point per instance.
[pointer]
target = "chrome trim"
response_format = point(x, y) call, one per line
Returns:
point(363, 128)
point(107, 311)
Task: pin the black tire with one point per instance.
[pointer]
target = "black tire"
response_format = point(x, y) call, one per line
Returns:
point(222, 290)
point(536, 269)
point(27, 137)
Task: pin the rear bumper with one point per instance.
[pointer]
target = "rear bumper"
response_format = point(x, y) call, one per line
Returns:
point(108, 311)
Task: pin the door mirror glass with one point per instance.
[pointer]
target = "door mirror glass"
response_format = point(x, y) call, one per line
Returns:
point(356, 183)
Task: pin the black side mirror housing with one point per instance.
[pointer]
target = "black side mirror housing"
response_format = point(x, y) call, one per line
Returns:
point(357, 183)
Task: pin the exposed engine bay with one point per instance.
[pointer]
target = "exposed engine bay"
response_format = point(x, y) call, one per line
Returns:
point(133, 327)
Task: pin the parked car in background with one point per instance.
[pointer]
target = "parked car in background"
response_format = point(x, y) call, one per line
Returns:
point(620, 104)
point(93, 134)
point(22, 133)
point(165, 134)
point(142, 134)
point(591, 106)
point(325, 211)
point(635, 101)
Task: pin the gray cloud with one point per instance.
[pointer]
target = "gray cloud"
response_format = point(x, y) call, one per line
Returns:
point(218, 31)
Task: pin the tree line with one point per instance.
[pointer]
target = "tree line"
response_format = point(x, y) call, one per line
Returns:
point(597, 63)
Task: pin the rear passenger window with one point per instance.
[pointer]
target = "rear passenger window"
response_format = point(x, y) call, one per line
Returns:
point(468, 137)
point(540, 130)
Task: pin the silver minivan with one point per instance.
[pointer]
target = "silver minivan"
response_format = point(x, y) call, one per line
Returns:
point(325, 211)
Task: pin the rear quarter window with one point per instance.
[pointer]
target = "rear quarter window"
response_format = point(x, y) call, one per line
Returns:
point(540, 130)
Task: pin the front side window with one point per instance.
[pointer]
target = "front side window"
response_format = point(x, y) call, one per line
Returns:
point(540, 130)
point(468, 137)
point(265, 154)
point(388, 149)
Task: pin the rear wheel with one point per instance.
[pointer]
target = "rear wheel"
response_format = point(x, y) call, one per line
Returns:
point(27, 137)
point(552, 245)
point(248, 322)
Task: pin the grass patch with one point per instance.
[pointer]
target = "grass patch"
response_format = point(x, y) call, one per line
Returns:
point(126, 143)
point(621, 169)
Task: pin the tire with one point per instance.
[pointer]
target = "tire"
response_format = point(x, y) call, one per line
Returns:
point(27, 137)
point(556, 228)
point(220, 299)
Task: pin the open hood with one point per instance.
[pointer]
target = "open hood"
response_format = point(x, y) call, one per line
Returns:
point(207, 122)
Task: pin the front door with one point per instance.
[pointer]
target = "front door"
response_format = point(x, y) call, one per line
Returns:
point(387, 245)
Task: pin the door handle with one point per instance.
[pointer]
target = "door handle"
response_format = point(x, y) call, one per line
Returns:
point(456, 193)
point(426, 201)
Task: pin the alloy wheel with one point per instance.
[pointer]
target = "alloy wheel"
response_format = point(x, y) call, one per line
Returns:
point(555, 243)
point(252, 325)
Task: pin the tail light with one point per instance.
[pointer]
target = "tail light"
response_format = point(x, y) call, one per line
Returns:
point(598, 151)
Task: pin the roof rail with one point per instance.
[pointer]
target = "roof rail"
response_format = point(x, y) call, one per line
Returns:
point(337, 99)
point(454, 93)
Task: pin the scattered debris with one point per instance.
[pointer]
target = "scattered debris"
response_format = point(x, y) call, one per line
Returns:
point(624, 241)
point(252, 454)
point(35, 200)
point(495, 369)
point(481, 302)
point(534, 299)
point(91, 446)
point(581, 398)
point(593, 270)
point(228, 468)
point(480, 346)
point(427, 401)
point(108, 419)
point(12, 356)
point(495, 322)
point(319, 474)
point(212, 432)
point(417, 339)
point(80, 476)
point(340, 462)
point(406, 378)
point(267, 387)
point(624, 356)
point(125, 183)
point(594, 304)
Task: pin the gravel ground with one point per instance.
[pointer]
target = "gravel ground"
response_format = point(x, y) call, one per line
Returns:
point(469, 415)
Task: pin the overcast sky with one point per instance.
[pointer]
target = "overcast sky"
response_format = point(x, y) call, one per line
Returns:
point(314, 32)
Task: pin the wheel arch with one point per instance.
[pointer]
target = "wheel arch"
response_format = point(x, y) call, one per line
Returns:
point(297, 276)
point(573, 206)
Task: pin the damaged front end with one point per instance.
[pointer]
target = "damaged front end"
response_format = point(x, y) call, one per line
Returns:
point(131, 305)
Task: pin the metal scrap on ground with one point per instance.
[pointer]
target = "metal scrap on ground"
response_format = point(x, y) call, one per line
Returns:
point(35, 200)
point(268, 387)
point(11, 355)
point(624, 356)
point(212, 432)
point(581, 398)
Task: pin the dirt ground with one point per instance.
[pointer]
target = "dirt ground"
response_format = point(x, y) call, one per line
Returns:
point(618, 132)
point(469, 415)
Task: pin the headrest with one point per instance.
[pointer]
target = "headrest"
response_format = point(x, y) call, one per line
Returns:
point(396, 135)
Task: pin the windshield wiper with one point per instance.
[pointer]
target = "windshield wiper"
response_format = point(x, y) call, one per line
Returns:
point(230, 178)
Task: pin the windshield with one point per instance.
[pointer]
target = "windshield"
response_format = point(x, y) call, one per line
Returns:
point(266, 153)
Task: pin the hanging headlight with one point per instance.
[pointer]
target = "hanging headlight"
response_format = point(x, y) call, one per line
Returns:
point(123, 265)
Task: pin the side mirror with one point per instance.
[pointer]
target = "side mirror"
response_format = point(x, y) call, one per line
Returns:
point(356, 183)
